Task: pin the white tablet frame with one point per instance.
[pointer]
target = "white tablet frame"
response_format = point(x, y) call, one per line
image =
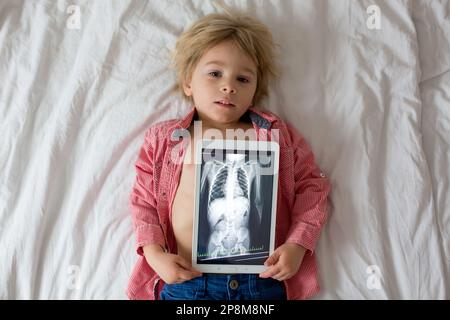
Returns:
point(243, 145)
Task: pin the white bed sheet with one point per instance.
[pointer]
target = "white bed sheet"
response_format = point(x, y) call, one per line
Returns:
point(432, 19)
point(75, 103)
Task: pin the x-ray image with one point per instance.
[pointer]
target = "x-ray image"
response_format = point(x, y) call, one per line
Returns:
point(235, 207)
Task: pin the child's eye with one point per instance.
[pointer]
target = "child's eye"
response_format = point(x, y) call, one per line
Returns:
point(242, 79)
point(214, 74)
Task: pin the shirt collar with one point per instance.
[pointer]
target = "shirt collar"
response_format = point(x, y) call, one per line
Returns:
point(259, 118)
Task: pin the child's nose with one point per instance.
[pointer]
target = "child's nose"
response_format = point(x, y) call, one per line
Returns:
point(228, 88)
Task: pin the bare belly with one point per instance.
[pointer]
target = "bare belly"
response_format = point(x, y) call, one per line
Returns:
point(183, 203)
point(182, 211)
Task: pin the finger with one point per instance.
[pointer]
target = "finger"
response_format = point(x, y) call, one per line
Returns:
point(272, 259)
point(286, 277)
point(187, 271)
point(183, 277)
point(187, 275)
point(188, 266)
point(183, 263)
point(179, 280)
point(279, 272)
point(273, 270)
point(197, 272)
point(280, 276)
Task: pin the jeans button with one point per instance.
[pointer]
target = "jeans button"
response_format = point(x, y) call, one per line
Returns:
point(234, 284)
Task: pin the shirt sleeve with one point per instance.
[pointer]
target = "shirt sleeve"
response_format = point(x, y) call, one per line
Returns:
point(309, 212)
point(142, 202)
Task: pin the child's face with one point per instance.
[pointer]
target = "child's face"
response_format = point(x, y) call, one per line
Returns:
point(224, 75)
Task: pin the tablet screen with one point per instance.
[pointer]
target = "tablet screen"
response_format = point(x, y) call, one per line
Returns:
point(236, 205)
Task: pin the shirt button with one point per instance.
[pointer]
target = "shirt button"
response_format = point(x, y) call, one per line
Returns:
point(234, 284)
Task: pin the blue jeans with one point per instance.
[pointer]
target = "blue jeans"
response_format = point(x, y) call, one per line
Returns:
point(225, 287)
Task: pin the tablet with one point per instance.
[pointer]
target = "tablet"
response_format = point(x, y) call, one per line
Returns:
point(234, 220)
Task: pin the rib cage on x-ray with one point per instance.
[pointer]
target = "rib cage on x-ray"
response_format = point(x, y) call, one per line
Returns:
point(229, 204)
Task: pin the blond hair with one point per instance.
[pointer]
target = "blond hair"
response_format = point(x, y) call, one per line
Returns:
point(248, 33)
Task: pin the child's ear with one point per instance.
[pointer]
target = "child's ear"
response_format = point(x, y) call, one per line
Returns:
point(187, 89)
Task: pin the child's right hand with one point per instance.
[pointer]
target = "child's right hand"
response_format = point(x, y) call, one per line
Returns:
point(170, 267)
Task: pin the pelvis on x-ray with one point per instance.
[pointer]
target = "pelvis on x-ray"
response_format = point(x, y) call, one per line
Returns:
point(229, 204)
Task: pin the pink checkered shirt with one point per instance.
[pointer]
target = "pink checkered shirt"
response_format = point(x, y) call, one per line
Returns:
point(301, 206)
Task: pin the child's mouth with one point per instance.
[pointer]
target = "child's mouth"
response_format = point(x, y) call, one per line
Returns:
point(224, 103)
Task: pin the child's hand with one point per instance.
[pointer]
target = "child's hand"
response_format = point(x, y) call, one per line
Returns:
point(284, 262)
point(171, 267)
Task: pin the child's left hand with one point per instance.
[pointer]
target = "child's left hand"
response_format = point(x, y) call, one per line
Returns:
point(284, 262)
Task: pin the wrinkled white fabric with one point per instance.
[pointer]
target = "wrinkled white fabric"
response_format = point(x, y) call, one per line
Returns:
point(80, 85)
